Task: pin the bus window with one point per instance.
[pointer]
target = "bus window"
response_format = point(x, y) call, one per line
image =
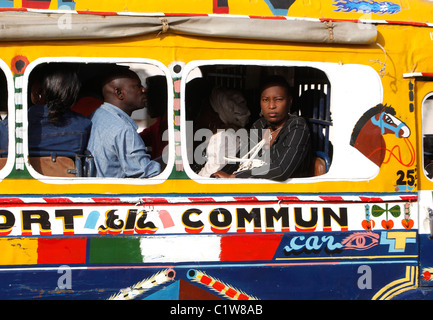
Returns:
point(3, 96)
point(239, 86)
point(3, 119)
point(427, 131)
point(64, 98)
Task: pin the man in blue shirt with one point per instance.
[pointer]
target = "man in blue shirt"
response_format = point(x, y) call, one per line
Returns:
point(114, 142)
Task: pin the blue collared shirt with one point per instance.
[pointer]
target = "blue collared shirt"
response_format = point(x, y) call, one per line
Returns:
point(118, 149)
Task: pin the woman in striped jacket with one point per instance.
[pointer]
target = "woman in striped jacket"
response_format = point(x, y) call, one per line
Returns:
point(279, 141)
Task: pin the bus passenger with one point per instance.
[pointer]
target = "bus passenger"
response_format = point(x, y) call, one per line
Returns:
point(53, 127)
point(285, 138)
point(4, 136)
point(157, 109)
point(228, 113)
point(90, 96)
point(117, 148)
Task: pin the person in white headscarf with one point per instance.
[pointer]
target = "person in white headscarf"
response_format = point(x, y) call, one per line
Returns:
point(233, 114)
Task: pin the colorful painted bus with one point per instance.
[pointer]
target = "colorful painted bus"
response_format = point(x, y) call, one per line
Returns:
point(358, 226)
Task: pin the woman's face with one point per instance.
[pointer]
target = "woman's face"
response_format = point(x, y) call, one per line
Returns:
point(275, 104)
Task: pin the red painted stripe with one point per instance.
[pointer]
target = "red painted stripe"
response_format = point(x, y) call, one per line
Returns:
point(243, 297)
point(329, 19)
point(13, 9)
point(206, 280)
point(411, 23)
point(57, 200)
point(331, 198)
point(62, 251)
point(106, 200)
point(370, 199)
point(154, 200)
point(409, 198)
point(202, 199)
point(245, 198)
point(11, 200)
point(218, 286)
point(284, 198)
point(231, 293)
point(249, 247)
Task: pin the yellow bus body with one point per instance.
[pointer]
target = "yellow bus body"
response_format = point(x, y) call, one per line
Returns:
point(393, 68)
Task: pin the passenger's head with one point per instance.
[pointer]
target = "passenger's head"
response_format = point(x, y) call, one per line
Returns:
point(275, 100)
point(156, 96)
point(196, 96)
point(122, 87)
point(60, 87)
point(35, 86)
point(231, 107)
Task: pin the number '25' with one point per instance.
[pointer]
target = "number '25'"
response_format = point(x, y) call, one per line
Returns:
point(406, 178)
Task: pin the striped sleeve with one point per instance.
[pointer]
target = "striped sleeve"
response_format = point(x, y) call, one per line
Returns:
point(287, 154)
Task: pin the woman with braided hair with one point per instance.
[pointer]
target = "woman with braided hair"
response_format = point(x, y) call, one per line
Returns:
point(52, 124)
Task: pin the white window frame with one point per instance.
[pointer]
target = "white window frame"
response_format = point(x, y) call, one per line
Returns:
point(12, 114)
point(349, 82)
point(95, 180)
point(427, 96)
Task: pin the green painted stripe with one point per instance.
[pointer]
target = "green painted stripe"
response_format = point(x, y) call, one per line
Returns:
point(115, 250)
